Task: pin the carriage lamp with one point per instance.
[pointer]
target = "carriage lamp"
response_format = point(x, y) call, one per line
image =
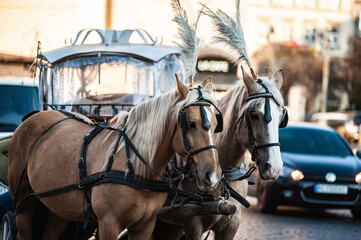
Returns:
point(358, 178)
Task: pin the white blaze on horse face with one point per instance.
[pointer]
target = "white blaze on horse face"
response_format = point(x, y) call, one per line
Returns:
point(275, 160)
point(213, 176)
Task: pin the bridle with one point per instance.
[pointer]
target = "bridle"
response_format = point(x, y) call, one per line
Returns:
point(267, 118)
point(185, 126)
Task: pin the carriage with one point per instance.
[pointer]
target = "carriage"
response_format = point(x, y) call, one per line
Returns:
point(99, 80)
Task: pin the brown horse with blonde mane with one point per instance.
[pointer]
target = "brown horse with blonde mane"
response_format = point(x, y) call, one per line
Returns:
point(48, 146)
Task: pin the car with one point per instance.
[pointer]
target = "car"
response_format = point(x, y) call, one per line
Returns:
point(320, 170)
point(18, 96)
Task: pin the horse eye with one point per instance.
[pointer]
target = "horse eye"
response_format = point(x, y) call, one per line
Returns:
point(192, 125)
point(254, 116)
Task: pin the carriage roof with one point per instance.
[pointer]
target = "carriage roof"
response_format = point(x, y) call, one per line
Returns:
point(113, 42)
point(114, 71)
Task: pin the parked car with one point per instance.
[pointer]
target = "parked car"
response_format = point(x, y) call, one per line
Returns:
point(18, 96)
point(320, 170)
point(343, 123)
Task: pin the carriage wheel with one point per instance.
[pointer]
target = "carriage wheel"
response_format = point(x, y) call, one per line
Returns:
point(8, 227)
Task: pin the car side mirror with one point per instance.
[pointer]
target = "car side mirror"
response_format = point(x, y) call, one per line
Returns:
point(358, 153)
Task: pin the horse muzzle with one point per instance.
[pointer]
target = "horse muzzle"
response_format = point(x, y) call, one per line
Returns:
point(208, 181)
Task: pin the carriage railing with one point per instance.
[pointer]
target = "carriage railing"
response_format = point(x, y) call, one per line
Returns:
point(101, 109)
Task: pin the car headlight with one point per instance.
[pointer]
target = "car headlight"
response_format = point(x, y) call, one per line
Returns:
point(294, 174)
point(358, 178)
point(297, 175)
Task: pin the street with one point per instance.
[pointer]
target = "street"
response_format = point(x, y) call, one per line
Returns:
point(292, 223)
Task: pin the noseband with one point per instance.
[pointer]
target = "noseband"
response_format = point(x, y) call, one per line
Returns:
point(267, 118)
point(185, 125)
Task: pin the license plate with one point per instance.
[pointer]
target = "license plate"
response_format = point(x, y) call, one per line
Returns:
point(331, 189)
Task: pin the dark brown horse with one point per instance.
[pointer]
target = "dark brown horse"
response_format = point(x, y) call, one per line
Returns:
point(48, 146)
point(243, 103)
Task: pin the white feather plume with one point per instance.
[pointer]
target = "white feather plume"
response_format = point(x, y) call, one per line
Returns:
point(189, 44)
point(231, 32)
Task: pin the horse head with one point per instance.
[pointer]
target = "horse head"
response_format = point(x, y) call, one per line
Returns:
point(193, 135)
point(262, 115)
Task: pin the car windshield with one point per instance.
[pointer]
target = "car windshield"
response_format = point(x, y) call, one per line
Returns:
point(312, 141)
point(15, 102)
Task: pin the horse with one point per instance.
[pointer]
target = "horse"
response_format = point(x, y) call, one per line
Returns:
point(45, 150)
point(253, 111)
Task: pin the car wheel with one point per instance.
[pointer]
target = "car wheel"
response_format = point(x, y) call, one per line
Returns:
point(356, 212)
point(8, 227)
point(264, 193)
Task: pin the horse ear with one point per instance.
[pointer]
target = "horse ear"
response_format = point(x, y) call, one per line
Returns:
point(207, 83)
point(278, 78)
point(182, 89)
point(249, 82)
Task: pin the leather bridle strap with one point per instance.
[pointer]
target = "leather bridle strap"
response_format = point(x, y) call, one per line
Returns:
point(253, 146)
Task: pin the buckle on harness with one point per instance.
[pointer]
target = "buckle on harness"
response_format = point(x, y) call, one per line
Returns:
point(81, 184)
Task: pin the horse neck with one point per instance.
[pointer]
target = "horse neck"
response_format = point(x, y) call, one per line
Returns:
point(231, 150)
point(165, 151)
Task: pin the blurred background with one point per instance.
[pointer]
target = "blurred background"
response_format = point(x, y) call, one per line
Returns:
point(317, 44)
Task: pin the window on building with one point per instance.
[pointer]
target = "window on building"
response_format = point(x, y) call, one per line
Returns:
point(299, 3)
point(359, 23)
point(263, 33)
point(310, 36)
point(334, 37)
point(334, 4)
point(286, 31)
point(311, 4)
point(288, 3)
point(264, 2)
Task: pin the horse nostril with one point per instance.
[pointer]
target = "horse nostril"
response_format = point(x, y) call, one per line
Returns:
point(208, 178)
point(267, 167)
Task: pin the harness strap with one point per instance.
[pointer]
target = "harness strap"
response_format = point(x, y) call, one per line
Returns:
point(237, 196)
point(87, 139)
point(267, 145)
point(111, 157)
point(203, 149)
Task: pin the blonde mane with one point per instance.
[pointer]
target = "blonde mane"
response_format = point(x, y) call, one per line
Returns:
point(146, 122)
point(235, 98)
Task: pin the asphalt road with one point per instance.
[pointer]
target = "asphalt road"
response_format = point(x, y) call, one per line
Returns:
point(292, 223)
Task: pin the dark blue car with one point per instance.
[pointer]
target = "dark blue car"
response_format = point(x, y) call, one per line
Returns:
point(320, 170)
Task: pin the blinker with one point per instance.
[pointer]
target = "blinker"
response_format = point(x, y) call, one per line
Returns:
point(205, 121)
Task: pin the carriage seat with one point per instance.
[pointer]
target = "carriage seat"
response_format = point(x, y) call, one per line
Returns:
point(4, 149)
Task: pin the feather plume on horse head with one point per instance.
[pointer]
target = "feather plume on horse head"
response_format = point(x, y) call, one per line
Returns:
point(231, 33)
point(189, 44)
